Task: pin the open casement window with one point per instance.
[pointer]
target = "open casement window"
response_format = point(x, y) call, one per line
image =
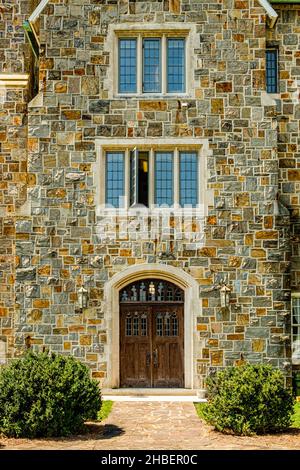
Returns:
point(156, 178)
point(296, 328)
point(139, 178)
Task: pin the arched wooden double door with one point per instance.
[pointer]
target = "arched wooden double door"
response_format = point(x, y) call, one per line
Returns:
point(151, 335)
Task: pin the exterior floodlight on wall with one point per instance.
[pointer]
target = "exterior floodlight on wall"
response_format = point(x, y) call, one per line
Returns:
point(224, 296)
point(82, 298)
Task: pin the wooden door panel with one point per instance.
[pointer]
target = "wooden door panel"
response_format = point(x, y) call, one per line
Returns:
point(134, 371)
point(151, 346)
point(176, 365)
point(167, 343)
point(135, 348)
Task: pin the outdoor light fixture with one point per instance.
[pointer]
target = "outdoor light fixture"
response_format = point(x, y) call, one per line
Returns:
point(152, 290)
point(82, 297)
point(224, 295)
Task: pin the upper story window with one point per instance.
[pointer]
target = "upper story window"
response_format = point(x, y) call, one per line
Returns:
point(296, 329)
point(272, 70)
point(158, 177)
point(148, 64)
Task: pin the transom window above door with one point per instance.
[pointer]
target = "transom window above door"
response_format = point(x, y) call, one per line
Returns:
point(148, 64)
point(152, 178)
point(151, 290)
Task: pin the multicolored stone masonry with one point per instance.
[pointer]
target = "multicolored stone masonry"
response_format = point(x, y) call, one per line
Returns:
point(56, 238)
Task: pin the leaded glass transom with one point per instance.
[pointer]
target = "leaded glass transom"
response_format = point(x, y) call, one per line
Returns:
point(151, 290)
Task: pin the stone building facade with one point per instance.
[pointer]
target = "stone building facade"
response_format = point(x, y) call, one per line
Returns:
point(57, 235)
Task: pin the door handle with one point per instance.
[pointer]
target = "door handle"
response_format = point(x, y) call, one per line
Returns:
point(148, 359)
point(155, 358)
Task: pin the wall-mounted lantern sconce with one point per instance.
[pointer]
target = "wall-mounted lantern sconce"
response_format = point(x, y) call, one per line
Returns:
point(225, 296)
point(82, 297)
point(28, 343)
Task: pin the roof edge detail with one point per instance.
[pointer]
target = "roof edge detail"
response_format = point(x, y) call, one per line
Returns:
point(273, 16)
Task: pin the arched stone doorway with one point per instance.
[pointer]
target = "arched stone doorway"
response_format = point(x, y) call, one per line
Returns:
point(151, 334)
point(160, 272)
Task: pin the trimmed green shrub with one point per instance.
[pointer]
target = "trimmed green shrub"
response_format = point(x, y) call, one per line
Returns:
point(250, 399)
point(43, 395)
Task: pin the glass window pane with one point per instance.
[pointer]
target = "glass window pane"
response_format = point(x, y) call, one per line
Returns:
point(296, 330)
point(115, 178)
point(176, 65)
point(296, 311)
point(127, 65)
point(136, 326)
point(159, 325)
point(296, 345)
point(151, 65)
point(139, 184)
point(272, 70)
point(188, 179)
point(164, 178)
point(134, 177)
point(128, 327)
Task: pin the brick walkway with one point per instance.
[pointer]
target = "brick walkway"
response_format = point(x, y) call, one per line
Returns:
point(155, 425)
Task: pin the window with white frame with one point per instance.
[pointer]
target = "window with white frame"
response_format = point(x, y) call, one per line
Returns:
point(152, 63)
point(151, 177)
point(296, 328)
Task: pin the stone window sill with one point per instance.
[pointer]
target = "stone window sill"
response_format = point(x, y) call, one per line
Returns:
point(150, 96)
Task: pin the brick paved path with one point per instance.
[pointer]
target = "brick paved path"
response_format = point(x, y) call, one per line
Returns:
point(156, 425)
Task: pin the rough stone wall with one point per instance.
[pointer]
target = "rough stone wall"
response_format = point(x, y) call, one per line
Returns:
point(245, 244)
point(285, 36)
point(15, 57)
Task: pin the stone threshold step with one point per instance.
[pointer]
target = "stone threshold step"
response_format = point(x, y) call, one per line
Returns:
point(146, 392)
point(154, 398)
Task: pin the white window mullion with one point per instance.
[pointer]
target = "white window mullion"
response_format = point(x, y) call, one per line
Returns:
point(201, 161)
point(103, 176)
point(176, 177)
point(127, 179)
point(164, 64)
point(134, 177)
point(139, 64)
point(151, 178)
point(187, 66)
